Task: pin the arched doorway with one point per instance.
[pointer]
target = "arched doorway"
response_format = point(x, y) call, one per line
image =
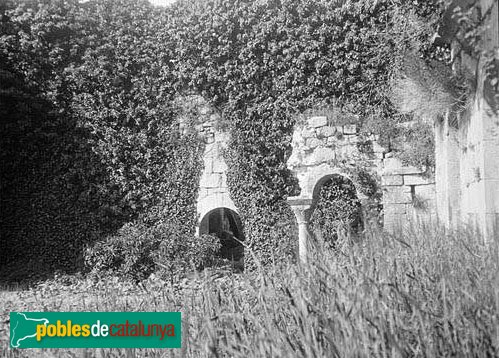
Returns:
point(225, 224)
point(337, 209)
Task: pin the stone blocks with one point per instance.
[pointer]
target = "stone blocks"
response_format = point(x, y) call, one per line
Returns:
point(210, 180)
point(389, 180)
point(315, 122)
point(350, 129)
point(321, 155)
point(307, 133)
point(219, 165)
point(313, 142)
point(396, 195)
point(414, 179)
point(394, 166)
point(425, 191)
point(326, 131)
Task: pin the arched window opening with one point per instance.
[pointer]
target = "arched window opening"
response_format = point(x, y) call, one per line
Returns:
point(337, 211)
point(225, 224)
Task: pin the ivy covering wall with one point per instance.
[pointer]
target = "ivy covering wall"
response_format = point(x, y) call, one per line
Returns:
point(262, 63)
point(90, 142)
point(89, 138)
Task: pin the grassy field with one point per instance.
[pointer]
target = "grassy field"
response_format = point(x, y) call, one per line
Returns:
point(422, 293)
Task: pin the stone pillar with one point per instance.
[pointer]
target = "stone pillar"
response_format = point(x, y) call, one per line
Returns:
point(303, 211)
point(489, 107)
point(447, 175)
point(479, 135)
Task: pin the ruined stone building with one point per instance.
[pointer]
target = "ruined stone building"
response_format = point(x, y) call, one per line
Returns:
point(463, 192)
point(322, 149)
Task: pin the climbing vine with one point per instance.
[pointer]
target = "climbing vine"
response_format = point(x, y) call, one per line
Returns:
point(263, 62)
point(103, 76)
point(89, 138)
point(337, 213)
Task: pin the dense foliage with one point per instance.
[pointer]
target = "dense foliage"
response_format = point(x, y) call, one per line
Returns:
point(337, 212)
point(88, 88)
point(89, 140)
point(261, 63)
point(50, 176)
point(138, 250)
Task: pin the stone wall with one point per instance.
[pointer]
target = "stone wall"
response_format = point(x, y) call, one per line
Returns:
point(467, 172)
point(213, 190)
point(447, 173)
point(322, 148)
point(467, 152)
point(408, 195)
point(197, 115)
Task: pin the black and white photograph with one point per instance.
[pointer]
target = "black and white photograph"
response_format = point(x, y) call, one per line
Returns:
point(249, 178)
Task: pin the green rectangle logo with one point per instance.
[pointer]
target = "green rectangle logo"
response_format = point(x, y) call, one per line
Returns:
point(95, 330)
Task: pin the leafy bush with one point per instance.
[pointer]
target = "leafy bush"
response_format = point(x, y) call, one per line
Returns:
point(179, 254)
point(90, 140)
point(137, 251)
point(128, 253)
point(337, 211)
point(416, 145)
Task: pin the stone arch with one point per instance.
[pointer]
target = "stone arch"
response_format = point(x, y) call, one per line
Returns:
point(213, 189)
point(314, 177)
point(225, 224)
point(325, 178)
point(214, 201)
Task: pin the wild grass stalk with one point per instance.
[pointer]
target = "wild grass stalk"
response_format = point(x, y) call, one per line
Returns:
point(425, 292)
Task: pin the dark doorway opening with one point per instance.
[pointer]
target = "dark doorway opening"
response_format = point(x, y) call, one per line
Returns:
point(225, 224)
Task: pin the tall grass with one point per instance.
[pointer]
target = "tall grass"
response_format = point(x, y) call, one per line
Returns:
point(429, 90)
point(424, 293)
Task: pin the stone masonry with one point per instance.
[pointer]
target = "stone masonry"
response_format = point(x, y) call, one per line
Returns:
point(321, 149)
point(467, 151)
point(213, 190)
point(197, 114)
point(408, 195)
